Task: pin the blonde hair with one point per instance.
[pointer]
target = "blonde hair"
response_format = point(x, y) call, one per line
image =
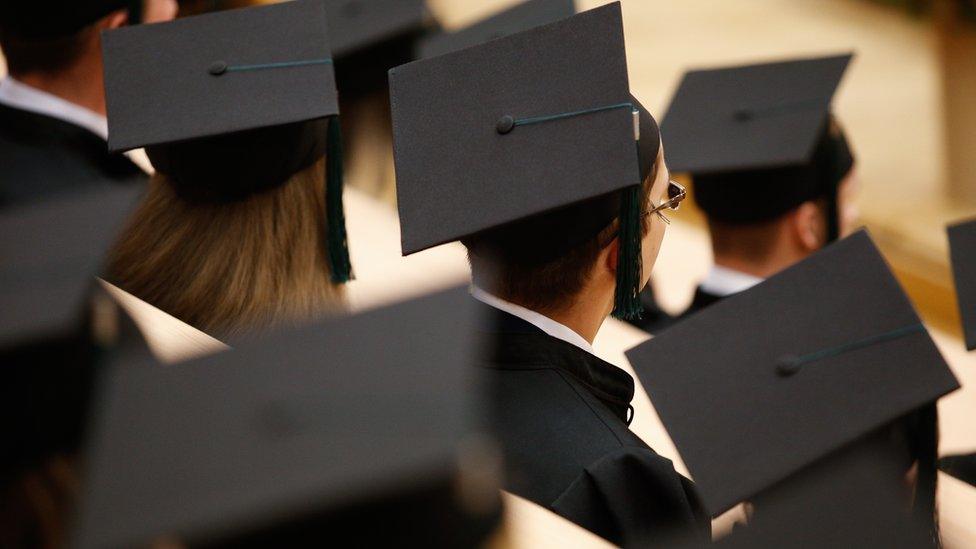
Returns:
point(231, 267)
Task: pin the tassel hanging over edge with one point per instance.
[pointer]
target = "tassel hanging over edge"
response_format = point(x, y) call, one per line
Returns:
point(338, 247)
point(627, 304)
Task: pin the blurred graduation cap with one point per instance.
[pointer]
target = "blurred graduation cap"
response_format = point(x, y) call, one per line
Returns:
point(362, 430)
point(233, 103)
point(367, 37)
point(855, 498)
point(800, 366)
point(55, 324)
point(521, 17)
point(46, 19)
point(370, 37)
point(759, 140)
point(531, 142)
point(962, 249)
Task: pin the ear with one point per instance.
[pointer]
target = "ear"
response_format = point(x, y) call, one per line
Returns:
point(608, 257)
point(808, 226)
point(114, 20)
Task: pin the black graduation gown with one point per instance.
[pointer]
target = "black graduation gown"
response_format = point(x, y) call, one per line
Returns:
point(701, 301)
point(962, 466)
point(654, 320)
point(42, 156)
point(561, 415)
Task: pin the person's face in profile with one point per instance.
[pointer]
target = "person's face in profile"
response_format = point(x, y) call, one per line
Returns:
point(651, 243)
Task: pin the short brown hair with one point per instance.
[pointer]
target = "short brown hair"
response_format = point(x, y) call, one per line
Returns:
point(753, 242)
point(231, 267)
point(543, 286)
point(45, 55)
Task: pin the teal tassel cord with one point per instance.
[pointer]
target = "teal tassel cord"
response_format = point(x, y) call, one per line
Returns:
point(627, 305)
point(336, 218)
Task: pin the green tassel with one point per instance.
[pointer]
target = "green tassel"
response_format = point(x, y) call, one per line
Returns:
point(335, 214)
point(627, 305)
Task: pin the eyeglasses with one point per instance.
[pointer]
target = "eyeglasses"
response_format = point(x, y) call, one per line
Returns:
point(676, 193)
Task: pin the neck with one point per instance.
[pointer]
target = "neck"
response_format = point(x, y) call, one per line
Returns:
point(80, 84)
point(585, 316)
point(765, 268)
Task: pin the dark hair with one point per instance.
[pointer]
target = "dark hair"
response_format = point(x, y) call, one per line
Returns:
point(26, 55)
point(503, 264)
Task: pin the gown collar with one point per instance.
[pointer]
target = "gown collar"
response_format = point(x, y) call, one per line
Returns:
point(518, 344)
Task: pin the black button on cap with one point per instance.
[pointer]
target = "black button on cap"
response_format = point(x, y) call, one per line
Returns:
point(743, 115)
point(788, 365)
point(505, 124)
point(218, 67)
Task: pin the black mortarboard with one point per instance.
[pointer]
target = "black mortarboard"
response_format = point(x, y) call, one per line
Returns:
point(54, 323)
point(521, 17)
point(795, 368)
point(370, 37)
point(533, 134)
point(356, 25)
point(227, 104)
point(362, 430)
point(44, 19)
point(759, 140)
point(962, 248)
point(854, 498)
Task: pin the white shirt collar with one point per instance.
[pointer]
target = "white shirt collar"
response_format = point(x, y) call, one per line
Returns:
point(21, 96)
point(544, 323)
point(722, 281)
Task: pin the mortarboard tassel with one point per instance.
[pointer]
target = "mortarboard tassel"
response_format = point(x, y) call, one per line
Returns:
point(335, 213)
point(627, 305)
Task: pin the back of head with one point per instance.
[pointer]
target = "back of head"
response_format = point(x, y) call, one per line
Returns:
point(227, 267)
point(538, 262)
point(49, 36)
point(243, 227)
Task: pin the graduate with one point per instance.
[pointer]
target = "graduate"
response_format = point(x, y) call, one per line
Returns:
point(815, 400)
point(531, 150)
point(56, 329)
point(52, 106)
point(770, 165)
point(243, 225)
point(359, 431)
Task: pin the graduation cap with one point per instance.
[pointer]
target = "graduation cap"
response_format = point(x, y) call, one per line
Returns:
point(362, 429)
point(54, 323)
point(521, 17)
point(759, 140)
point(532, 140)
point(962, 248)
point(811, 360)
point(228, 104)
point(369, 37)
point(354, 25)
point(855, 498)
point(46, 19)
